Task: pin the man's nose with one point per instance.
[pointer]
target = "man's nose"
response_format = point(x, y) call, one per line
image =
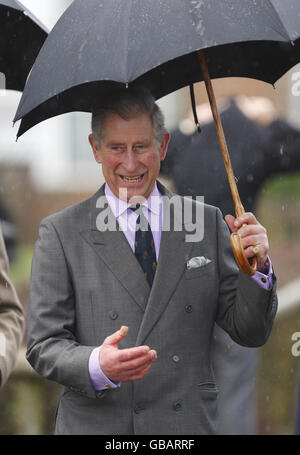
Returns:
point(130, 162)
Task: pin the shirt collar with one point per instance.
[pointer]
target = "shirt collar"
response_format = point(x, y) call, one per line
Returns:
point(118, 206)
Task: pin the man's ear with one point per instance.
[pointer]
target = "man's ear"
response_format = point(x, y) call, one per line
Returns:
point(96, 150)
point(164, 146)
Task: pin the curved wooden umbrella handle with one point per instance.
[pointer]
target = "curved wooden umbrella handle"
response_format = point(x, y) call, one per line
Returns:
point(235, 240)
point(240, 257)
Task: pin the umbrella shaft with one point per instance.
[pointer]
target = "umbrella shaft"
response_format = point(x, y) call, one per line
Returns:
point(239, 209)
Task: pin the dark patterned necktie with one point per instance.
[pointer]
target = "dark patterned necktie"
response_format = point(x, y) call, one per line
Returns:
point(144, 245)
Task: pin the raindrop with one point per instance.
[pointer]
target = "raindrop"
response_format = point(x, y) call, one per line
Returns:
point(197, 13)
point(126, 84)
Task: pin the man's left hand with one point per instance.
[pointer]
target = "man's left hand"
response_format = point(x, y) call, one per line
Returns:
point(254, 237)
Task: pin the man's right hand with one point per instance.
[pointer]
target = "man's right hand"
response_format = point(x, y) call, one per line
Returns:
point(123, 365)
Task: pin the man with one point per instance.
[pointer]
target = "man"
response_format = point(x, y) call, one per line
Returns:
point(88, 281)
point(11, 319)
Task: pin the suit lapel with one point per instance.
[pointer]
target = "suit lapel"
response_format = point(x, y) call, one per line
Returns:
point(114, 250)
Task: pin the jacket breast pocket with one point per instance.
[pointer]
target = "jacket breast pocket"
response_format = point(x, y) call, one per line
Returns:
point(199, 271)
point(208, 386)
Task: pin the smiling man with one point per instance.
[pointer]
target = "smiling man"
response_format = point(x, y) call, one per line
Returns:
point(129, 151)
point(154, 375)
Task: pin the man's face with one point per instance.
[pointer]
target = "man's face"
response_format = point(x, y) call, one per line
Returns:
point(130, 154)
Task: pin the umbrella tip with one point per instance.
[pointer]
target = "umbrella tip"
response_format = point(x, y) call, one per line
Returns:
point(192, 93)
point(17, 136)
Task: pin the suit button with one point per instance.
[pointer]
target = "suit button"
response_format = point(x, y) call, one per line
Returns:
point(139, 408)
point(113, 315)
point(176, 358)
point(189, 309)
point(177, 406)
point(100, 393)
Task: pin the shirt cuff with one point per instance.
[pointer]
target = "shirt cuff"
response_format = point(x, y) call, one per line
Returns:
point(265, 280)
point(98, 378)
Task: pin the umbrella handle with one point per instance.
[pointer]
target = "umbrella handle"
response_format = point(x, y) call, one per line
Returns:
point(240, 257)
point(235, 240)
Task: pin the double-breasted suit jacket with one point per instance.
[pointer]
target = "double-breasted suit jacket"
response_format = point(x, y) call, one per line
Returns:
point(86, 284)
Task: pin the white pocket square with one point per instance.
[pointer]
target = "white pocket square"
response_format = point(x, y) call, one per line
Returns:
point(198, 261)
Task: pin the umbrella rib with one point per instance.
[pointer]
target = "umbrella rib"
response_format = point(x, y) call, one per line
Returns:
point(32, 16)
point(21, 5)
point(281, 21)
point(127, 39)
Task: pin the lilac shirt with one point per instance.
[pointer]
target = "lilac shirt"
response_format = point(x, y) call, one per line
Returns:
point(152, 209)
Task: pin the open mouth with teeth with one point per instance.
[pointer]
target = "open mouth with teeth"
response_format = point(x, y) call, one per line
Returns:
point(135, 179)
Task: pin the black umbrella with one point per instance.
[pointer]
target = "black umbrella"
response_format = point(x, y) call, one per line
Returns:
point(154, 42)
point(101, 43)
point(21, 38)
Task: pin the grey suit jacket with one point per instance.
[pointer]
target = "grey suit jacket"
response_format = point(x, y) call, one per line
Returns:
point(86, 283)
point(11, 319)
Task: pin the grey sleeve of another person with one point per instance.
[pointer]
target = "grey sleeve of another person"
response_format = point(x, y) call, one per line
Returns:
point(11, 319)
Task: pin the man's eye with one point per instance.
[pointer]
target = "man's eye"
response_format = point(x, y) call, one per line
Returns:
point(140, 148)
point(117, 149)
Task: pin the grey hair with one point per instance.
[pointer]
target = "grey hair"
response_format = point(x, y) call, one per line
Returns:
point(128, 103)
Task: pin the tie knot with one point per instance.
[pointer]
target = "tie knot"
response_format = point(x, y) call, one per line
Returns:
point(135, 208)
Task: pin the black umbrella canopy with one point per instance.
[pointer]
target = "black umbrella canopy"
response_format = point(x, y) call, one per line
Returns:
point(102, 43)
point(11, 4)
point(21, 38)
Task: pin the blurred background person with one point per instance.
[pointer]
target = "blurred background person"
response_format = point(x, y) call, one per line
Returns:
point(260, 145)
point(11, 319)
point(9, 231)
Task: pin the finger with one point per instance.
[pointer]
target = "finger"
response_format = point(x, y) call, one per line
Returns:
point(230, 221)
point(128, 354)
point(141, 362)
point(116, 337)
point(253, 240)
point(246, 218)
point(119, 371)
point(249, 252)
point(251, 230)
point(135, 375)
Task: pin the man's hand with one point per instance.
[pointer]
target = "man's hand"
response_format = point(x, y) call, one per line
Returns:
point(122, 365)
point(254, 237)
